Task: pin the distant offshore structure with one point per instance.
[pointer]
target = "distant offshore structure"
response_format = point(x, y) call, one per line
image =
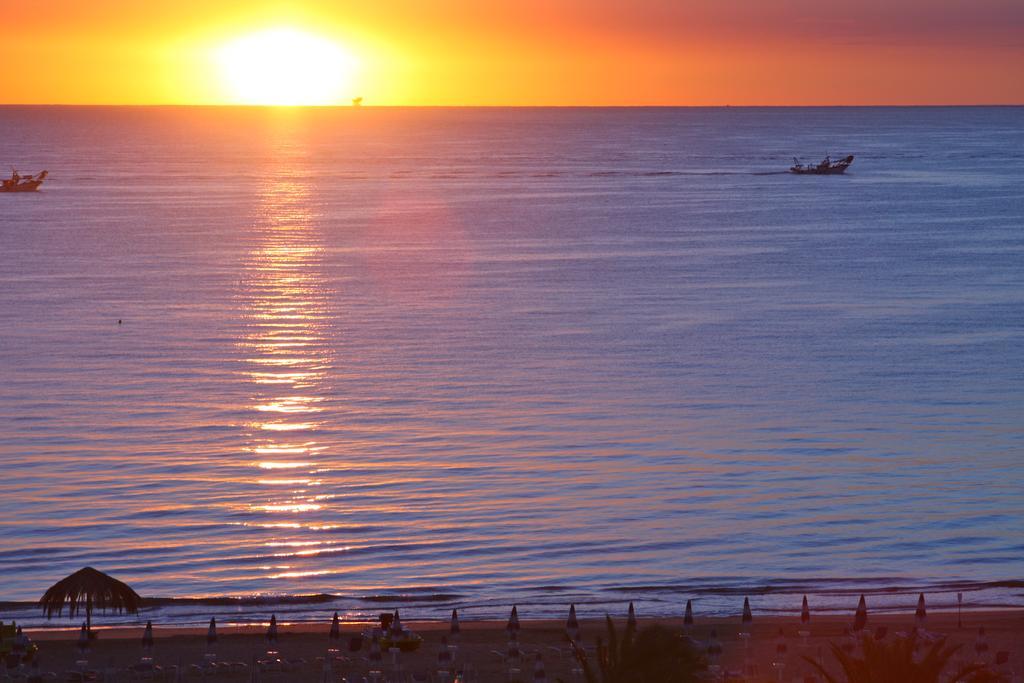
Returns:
point(357, 101)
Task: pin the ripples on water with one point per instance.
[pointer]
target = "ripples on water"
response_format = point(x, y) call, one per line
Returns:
point(458, 357)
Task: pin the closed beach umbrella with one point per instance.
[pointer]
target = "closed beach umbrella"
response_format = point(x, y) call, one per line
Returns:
point(860, 617)
point(454, 628)
point(572, 626)
point(396, 624)
point(87, 589)
point(211, 633)
point(748, 616)
point(631, 617)
point(921, 613)
point(272, 630)
point(688, 615)
point(335, 633)
point(539, 675)
point(83, 638)
point(805, 613)
point(513, 621)
point(147, 636)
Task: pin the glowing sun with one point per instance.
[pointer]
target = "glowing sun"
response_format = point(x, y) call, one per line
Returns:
point(285, 66)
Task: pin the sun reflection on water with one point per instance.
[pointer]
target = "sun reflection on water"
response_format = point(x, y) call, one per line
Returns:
point(287, 355)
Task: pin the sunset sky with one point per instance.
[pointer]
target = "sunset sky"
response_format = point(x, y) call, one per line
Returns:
point(513, 52)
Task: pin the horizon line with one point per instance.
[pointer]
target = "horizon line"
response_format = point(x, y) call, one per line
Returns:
point(508, 106)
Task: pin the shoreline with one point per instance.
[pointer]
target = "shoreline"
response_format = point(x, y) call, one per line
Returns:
point(834, 597)
point(309, 627)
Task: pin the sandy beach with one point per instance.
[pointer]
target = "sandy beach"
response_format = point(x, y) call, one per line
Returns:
point(480, 643)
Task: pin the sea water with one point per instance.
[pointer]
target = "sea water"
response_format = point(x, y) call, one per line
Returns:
point(436, 358)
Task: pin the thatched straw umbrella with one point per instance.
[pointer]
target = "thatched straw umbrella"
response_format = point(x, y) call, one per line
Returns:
point(89, 588)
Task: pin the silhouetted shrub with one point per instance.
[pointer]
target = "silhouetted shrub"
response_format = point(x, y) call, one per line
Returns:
point(897, 661)
point(654, 654)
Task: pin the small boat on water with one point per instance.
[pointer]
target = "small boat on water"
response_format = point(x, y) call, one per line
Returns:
point(22, 183)
point(826, 167)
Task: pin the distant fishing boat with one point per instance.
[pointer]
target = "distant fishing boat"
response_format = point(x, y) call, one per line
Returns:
point(826, 167)
point(22, 183)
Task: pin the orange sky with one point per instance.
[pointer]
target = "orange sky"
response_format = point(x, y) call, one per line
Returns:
point(533, 52)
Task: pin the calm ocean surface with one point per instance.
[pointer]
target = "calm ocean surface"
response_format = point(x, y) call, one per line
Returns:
point(437, 358)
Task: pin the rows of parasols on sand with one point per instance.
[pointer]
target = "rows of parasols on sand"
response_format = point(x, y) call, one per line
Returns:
point(379, 654)
point(381, 649)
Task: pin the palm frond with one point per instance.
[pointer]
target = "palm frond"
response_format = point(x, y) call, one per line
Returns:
point(654, 654)
point(897, 661)
point(613, 644)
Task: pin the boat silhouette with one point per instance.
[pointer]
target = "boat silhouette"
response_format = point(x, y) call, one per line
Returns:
point(23, 183)
point(826, 167)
